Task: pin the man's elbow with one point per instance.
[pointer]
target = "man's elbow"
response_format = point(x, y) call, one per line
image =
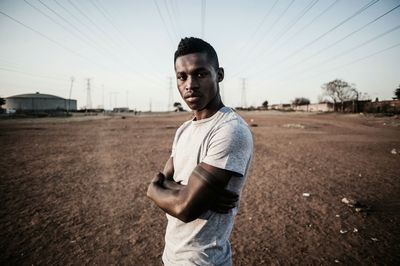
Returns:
point(185, 214)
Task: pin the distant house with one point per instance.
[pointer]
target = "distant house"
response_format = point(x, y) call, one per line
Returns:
point(121, 109)
point(282, 107)
point(315, 107)
point(34, 102)
point(392, 106)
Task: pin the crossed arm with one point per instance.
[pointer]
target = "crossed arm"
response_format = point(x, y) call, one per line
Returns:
point(205, 191)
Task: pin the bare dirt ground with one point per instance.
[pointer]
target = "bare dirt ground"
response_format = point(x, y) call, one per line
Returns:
point(72, 191)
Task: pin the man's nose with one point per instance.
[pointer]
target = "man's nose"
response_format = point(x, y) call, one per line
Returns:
point(192, 83)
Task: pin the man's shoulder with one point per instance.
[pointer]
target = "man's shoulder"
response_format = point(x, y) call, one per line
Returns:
point(233, 121)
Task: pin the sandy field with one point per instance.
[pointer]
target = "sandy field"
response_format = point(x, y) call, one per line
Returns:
point(72, 190)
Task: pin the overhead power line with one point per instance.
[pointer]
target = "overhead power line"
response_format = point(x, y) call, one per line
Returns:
point(311, 22)
point(55, 21)
point(276, 21)
point(94, 42)
point(353, 61)
point(31, 74)
point(286, 29)
point(108, 18)
point(87, 59)
point(333, 28)
point(50, 39)
point(356, 47)
point(344, 38)
point(164, 23)
point(171, 20)
point(310, 43)
point(335, 57)
point(257, 29)
point(292, 23)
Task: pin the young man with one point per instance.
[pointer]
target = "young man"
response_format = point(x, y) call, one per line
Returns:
point(200, 186)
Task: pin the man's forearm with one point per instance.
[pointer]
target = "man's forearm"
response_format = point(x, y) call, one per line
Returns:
point(167, 197)
point(171, 184)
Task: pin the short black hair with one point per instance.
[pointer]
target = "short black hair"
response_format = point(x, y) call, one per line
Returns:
point(190, 45)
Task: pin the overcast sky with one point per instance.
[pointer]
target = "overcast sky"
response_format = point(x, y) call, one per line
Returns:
point(275, 50)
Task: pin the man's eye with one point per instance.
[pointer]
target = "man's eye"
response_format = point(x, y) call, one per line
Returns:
point(201, 74)
point(181, 77)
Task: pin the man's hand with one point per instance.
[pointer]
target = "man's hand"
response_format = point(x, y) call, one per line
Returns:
point(225, 201)
point(159, 178)
point(206, 190)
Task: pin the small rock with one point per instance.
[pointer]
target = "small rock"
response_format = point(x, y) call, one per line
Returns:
point(343, 231)
point(360, 175)
point(337, 261)
point(252, 124)
point(337, 215)
point(355, 230)
point(306, 194)
point(393, 151)
point(374, 239)
point(349, 202)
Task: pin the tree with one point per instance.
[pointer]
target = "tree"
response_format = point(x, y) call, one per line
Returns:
point(178, 107)
point(340, 91)
point(397, 92)
point(300, 101)
point(2, 102)
point(265, 104)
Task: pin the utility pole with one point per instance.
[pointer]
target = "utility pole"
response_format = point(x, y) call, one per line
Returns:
point(102, 87)
point(115, 99)
point(127, 99)
point(70, 92)
point(150, 106)
point(222, 91)
point(203, 17)
point(244, 104)
point(88, 95)
point(170, 96)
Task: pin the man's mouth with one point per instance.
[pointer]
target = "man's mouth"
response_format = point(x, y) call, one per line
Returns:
point(192, 99)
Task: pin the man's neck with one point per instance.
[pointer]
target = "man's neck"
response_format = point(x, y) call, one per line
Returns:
point(210, 110)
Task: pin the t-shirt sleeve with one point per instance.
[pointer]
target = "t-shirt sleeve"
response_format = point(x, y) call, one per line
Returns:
point(230, 148)
point(176, 137)
point(174, 143)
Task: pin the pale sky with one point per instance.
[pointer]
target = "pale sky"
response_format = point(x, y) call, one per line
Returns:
point(281, 49)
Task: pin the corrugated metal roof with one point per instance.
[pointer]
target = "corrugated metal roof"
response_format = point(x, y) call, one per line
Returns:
point(36, 95)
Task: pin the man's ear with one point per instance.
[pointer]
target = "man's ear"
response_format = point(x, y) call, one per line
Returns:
point(220, 74)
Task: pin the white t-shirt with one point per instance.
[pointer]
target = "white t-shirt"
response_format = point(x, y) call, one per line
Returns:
point(224, 141)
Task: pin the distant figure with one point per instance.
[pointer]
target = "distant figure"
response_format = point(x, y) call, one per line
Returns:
point(200, 185)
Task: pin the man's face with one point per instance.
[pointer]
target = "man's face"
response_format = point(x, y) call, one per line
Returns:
point(197, 80)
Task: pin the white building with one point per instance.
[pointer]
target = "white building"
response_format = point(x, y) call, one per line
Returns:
point(39, 102)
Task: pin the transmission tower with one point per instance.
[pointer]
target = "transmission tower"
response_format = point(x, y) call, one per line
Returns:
point(70, 92)
point(222, 91)
point(170, 95)
point(244, 104)
point(88, 95)
point(102, 87)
